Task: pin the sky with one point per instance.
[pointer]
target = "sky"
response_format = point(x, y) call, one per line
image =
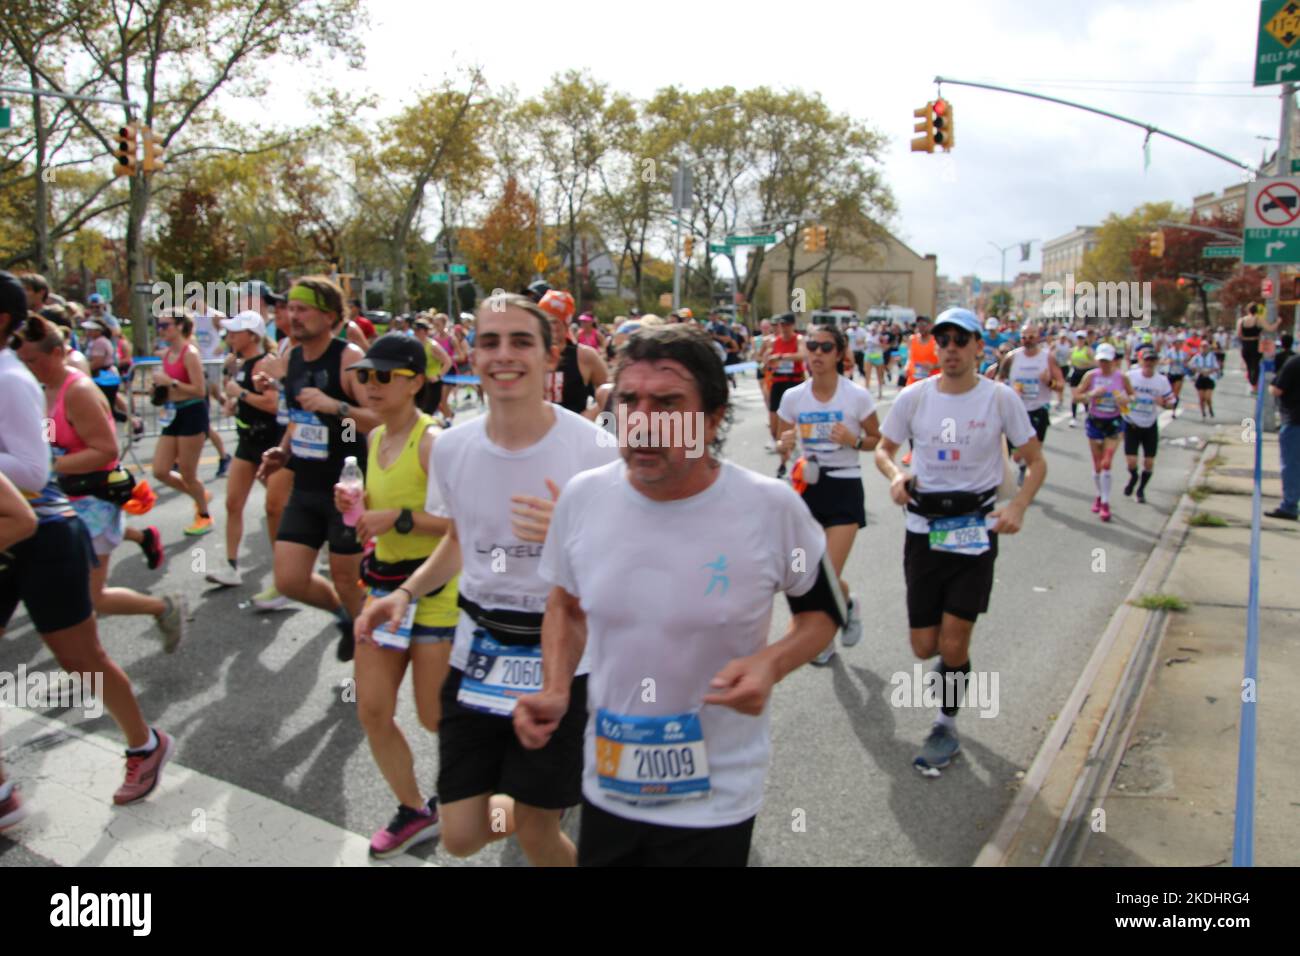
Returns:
point(1020, 169)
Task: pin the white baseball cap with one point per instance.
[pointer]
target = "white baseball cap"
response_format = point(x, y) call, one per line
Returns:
point(246, 321)
point(1106, 351)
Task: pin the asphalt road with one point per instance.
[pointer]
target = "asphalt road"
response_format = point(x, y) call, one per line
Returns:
point(253, 699)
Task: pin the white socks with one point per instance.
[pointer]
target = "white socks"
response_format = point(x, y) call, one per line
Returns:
point(1105, 487)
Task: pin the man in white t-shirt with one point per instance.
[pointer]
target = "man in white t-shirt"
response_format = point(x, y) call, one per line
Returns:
point(956, 421)
point(1151, 392)
point(496, 478)
point(665, 565)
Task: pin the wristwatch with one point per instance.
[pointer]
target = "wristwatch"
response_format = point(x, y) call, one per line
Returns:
point(405, 522)
point(344, 408)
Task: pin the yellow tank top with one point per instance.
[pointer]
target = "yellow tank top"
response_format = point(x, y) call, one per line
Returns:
point(403, 485)
point(432, 367)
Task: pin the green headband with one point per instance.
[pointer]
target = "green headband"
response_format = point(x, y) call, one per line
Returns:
point(308, 296)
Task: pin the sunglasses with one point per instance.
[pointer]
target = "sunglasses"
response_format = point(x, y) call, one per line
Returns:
point(165, 325)
point(961, 338)
point(826, 347)
point(382, 375)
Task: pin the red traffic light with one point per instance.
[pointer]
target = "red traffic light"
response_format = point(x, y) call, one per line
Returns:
point(1182, 281)
point(940, 107)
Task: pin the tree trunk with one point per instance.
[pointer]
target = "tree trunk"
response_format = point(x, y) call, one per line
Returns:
point(397, 264)
point(42, 258)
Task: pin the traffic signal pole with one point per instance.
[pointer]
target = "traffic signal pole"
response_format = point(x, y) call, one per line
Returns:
point(1283, 169)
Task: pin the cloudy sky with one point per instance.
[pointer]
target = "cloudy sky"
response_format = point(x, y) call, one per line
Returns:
point(1021, 169)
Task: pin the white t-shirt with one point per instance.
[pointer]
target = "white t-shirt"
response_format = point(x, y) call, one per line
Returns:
point(1026, 378)
point(958, 438)
point(1145, 409)
point(813, 421)
point(673, 591)
point(472, 480)
point(206, 338)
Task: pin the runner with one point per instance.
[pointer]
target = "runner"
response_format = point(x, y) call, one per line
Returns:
point(1061, 351)
point(179, 382)
point(1107, 392)
point(1033, 373)
point(1174, 368)
point(59, 552)
point(84, 441)
point(327, 419)
point(1082, 361)
point(580, 370)
point(1207, 370)
point(874, 353)
point(207, 340)
point(254, 409)
point(1249, 328)
point(494, 479)
point(1151, 392)
point(707, 648)
point(785, 356)
point(957, 422)
point(832, 419)
point(397, 478)
point(435, 362)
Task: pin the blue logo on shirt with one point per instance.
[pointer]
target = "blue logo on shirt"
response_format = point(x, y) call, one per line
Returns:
point(718, 567)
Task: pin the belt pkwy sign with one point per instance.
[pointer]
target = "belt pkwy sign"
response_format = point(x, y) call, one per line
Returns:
point(1272, 226)
point(1277, 48)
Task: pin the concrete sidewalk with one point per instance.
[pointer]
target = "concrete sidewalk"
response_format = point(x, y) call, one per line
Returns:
point(1171, 802)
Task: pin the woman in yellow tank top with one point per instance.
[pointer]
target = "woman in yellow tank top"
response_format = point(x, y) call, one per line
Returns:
point(393, 515)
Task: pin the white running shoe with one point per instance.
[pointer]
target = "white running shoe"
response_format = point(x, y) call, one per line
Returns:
point(824, 658)
point(769, 445)
point(269, 600)
point(852, 631)
point(226, 576)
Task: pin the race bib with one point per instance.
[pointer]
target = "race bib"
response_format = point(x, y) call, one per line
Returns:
point(651, 759)
point(1107, 404)
point(1144, 405)
point(385, 636)
point(1028, 388)
point(921, 370)
point(311, 438)
point(167, 414)
point(785, 368)
point(815, 429)
point(963, 534)
point(497, 675)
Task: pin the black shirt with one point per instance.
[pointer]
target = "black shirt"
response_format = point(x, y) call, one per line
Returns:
point(1288, 380)
point(566, 387)
point(316, 468)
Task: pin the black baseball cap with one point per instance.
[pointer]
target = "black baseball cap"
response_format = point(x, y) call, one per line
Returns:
point(786, 318)
point(393, 350)
point(257, 289)
point(13, 299)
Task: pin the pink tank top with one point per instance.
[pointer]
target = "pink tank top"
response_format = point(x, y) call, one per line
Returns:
point(1108, 406)
point(589, 337)
point(177, 369)
point(66, 438)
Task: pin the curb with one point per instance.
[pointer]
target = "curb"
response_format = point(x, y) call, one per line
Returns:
point(1120, 698)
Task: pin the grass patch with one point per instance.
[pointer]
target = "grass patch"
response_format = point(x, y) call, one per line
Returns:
point(1161, 602)
point(1218, 461)
point(1199, 493)
point(1203, 519)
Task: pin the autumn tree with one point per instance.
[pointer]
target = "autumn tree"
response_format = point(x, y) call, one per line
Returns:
point(500, 251)
point(194, 241)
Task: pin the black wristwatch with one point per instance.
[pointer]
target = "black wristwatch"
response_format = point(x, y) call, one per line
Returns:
point(405, 522)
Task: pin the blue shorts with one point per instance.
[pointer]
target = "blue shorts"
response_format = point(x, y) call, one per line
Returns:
point(1099, 429)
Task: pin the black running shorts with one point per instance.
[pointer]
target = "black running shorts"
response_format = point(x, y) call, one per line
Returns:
point(835, 501)
point(1040, 419)
point(1135, 437)
point(50, 575)
point(606, 839)
point(939, 582)
point(479, 753)
point(310, 518)
point(775, 392)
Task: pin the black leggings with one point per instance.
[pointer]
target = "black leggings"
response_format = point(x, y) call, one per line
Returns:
point(1250, 353)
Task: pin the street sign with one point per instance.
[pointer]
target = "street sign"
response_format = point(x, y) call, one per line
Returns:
point(1277, 48)
point(143, 288)
point(5, 117)
point(1295, 165)
point(1211, 286)
point(1221, 252)
point(105, 288)
point(720, 249)
point(539, 262)
point(1272, 226)
point(750, 240)
point(459, 269)
point(438, 278)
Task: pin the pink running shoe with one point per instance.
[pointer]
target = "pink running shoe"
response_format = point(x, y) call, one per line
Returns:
point(12, 811)
point(1105, 512)
point(1096, 504)
point(143, 771)
point(407, 828)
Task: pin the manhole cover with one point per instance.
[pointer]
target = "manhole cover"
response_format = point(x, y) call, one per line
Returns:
point(1245, 473)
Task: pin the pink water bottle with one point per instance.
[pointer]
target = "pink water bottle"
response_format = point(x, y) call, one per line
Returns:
point(352, 480)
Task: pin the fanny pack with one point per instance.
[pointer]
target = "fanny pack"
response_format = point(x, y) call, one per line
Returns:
point(390, 575)
point(508, 627)
point(950, 504)
point(114, 486)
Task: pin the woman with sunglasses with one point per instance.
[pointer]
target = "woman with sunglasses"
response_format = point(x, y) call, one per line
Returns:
point(184, 417)
point(397, 478)
point(1108, 392)
point(832, 419)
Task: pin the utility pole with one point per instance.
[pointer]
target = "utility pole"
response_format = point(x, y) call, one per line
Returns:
point(1283, 168)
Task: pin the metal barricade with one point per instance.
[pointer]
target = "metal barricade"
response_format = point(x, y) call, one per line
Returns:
point(138, 389)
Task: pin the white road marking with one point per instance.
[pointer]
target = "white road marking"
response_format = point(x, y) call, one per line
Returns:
point(67, 779)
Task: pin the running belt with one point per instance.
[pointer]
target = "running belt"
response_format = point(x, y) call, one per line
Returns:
point(527, 624)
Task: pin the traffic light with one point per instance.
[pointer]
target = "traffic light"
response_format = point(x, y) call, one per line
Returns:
point(822, 233)
point(809, 238)
point(1157, 243)
point(1182, 282)
point(125, 152)
point(942, 124)
point(153, 152)
point(925, 142)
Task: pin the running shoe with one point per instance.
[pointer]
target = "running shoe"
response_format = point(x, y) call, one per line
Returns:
point(346, 646)
point(769, 445)
point(1074, 423)
point(137, 427)
point(226, 576)
point(12, 810)
point(852, 632)
point(1141, 498)
point(407, 829)
point(1132, 483)
point(223, 466)
point(269, 600)
point(171, 623)
point(151, 545)
point(202, 525)
point(1105, 511)
point(824, 658)
point(939, 749)
point(143, 771)
point(1284, 515)
point(780, 472)
point(1096, 504)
